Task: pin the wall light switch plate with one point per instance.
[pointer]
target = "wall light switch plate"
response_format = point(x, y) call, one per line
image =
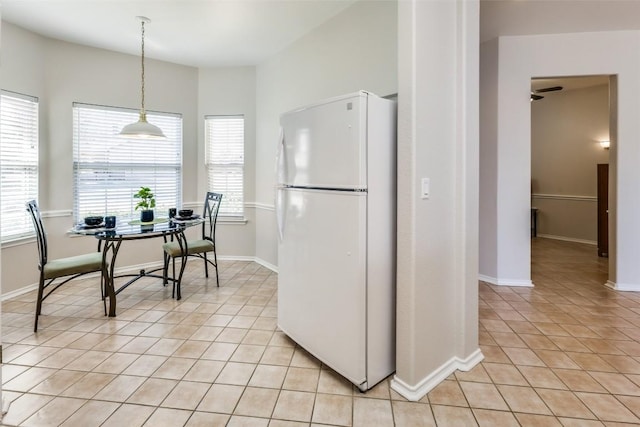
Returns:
point(425, 188)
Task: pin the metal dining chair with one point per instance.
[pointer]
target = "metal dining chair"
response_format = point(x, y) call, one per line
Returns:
point(201, 247)
point(67, 268)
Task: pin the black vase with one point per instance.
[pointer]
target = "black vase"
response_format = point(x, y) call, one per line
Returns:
point(146, 216)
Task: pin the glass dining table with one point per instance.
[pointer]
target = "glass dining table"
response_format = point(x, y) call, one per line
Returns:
point(110, 240)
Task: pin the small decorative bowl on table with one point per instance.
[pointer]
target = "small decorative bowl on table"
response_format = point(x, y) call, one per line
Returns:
point(185, 213)
point(93, 221)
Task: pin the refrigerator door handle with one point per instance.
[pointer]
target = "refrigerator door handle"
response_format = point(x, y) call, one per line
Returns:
point(280, 172)
point(280, 160)
point(279, 212)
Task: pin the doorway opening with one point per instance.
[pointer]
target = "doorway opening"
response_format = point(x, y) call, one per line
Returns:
point(570, 127)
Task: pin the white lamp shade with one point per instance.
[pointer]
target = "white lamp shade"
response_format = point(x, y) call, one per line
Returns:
point(142, 129)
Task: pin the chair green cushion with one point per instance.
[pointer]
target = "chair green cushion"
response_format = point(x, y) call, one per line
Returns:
point(194, 246)
point(73, 265)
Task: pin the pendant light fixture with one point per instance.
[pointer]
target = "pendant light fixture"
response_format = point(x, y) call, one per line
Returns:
point(142, 129)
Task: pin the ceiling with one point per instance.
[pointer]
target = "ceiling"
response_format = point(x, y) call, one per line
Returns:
point(200, 33)
point(568, 83)
point(531, 17)
point(213, 33)
point(527, 17)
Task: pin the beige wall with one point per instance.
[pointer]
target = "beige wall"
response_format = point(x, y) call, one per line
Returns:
point(521, 58)
point(488, 158)
point(227, 91)
point(1, 379)
point(59, 74)
point(74, 73)
point(566, 128)
point(355, 50)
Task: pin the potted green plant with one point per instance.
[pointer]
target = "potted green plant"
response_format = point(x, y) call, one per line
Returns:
point(147, 203)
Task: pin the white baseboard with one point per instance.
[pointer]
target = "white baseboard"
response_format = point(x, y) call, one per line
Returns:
point(18, 292)
point(257, 260)
point(626, 287)
point(236, 258)
point(416, 392)
point(568, 239)
point(487, 279)
point(138, 267)
point(266, 264)
point(506, 282)
point(516, 283)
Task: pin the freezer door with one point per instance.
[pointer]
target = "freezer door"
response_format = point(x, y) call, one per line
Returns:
point(324, 145)
point(322, 277)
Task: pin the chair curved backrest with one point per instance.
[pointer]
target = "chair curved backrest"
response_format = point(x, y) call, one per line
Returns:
point(211, 208)
point(34, 211)
point(70, 267)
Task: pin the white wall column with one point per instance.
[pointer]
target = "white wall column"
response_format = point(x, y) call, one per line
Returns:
point(437, 296)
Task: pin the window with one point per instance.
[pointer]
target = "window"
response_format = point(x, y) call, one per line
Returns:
point(18, 162)
point(225, 161)
point(109, 169)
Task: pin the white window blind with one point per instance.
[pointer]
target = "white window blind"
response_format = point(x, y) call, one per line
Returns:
point(18, 162)
point(109, 169)
point(225, 161)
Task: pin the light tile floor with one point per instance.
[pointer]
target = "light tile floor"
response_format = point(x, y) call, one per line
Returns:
point(566, 352)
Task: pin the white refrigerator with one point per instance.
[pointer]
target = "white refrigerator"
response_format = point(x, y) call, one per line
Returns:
point(336, 215)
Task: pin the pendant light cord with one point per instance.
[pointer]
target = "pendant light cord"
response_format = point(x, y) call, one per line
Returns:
point(142, 110)
point(142, 129)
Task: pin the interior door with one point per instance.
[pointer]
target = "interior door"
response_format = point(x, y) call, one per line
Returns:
point(603, 210)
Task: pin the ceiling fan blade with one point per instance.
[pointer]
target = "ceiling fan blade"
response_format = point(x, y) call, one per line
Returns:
point(548, 89)
point(535, 97)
